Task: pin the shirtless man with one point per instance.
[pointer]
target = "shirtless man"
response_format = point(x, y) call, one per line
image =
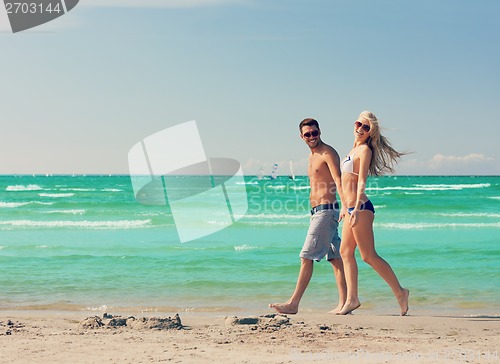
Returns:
point(322, 237)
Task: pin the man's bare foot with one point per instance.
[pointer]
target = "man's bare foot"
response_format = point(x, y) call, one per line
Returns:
point(286, 308)
point(336, 310)
point(349, 307)
point(403, 301)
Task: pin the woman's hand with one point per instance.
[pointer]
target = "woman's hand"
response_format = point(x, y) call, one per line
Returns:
point(353, 218)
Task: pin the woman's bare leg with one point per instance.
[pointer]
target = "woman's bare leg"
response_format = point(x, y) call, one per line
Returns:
point(363, 233)
point(347, 249)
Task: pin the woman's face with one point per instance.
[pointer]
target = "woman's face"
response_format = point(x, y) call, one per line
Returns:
point(362, 129)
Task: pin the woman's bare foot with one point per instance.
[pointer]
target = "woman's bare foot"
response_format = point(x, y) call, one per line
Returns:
point(349, 307)
point(336, 310)
point(286, 308)
point(403, 301)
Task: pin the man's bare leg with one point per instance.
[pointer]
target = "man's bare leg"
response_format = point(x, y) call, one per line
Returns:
point(292, 306)
point(338, 271)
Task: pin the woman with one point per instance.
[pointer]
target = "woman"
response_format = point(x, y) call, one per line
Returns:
point(371, 154)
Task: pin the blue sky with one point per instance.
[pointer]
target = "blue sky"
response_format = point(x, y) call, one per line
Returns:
point(77, 93)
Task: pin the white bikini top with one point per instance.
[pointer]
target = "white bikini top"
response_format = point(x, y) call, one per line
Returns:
point(347, 164)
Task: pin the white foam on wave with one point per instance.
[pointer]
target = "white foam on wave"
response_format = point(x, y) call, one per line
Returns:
point(19, 204)
point(494, 197)
point(248, 183)
point(70, 211)
point(12, 204)
point(278, 187)
point(301, 188)
point(244, 247)
point(111, 190)
point(436, 187)
point(77, 189)
point(20, 188)
point(86, 224)
point(275, 216)
point(92, 308)
point(56, 195)
point(421, 226)
point(471, 214)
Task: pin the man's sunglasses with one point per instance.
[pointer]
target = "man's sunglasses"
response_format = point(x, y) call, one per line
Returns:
point(314, 133)
point(366, 127)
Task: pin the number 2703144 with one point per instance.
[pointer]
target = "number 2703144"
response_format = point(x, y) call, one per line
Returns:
point(32, 8)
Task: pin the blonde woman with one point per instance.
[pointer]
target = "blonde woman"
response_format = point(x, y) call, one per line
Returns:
point(371, 154)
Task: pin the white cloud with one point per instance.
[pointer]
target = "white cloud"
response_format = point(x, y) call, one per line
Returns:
point(157, 3)
point(440, 164)
point(440, 159)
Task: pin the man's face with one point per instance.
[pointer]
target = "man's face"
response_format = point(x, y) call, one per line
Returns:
point(310, 134)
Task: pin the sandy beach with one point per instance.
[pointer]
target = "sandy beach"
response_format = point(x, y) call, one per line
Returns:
point(77, 337)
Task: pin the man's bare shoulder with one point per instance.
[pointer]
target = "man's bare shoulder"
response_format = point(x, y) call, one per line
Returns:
point(328, 150)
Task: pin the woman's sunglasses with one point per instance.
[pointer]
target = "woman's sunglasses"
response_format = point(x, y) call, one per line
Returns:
point(314, 133)
point(366, 127)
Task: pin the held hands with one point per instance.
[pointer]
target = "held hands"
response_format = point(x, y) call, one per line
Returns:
point(343, 212)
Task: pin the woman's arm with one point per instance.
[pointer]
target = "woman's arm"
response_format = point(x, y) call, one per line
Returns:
point(365, 156)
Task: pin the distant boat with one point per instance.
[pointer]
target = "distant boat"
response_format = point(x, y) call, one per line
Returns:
point(261, 173)
point(292, 173)
point(274, 171)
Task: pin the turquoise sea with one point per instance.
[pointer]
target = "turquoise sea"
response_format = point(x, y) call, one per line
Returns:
point(85, 243)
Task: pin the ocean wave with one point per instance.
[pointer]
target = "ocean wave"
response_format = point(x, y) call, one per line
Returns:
point(111, 190)
point(283, 216)
point(71, 211)
point(86, 224)
point(56, 195)
point(494, 197)
point(473, 214)
point(244, 247)
point(277, 187)
point(248, 183)
point(260, 224)
point(19, 204)
point(76, 189)
point(12, 204)
point(301, 188)
point(20, 188)
point(423, 225)
point(436, 187)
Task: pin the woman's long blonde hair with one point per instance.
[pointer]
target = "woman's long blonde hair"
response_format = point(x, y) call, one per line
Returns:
point(384, 156)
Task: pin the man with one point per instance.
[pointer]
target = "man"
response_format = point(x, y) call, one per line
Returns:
point(322, 237)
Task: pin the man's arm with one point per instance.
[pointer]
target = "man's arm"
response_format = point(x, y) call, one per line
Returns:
point(333, 162)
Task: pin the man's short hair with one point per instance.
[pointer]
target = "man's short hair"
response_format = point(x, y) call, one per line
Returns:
point(308, 122)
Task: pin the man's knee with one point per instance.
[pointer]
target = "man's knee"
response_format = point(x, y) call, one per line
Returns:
point(337, 263)
point(305, 261)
